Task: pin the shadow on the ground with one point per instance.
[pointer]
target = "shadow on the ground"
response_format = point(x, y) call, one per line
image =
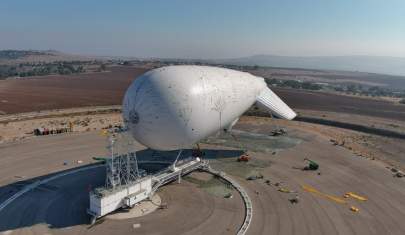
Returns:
point(340, 124)
point(149, 154)
point(62, 203)
point(355, 127)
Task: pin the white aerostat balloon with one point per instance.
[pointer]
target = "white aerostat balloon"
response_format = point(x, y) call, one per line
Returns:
point(174, 107)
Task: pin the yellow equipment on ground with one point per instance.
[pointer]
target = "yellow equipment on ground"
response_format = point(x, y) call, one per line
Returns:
point(354, 209)
point(330, 197)
point(104, 132)
point(284, 190)
point(355, 196)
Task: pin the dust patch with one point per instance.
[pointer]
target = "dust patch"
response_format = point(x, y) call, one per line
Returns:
point(255, 142)
point(213, 185)
point(241, 169)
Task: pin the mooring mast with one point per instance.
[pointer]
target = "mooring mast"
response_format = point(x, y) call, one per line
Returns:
point(122, 167)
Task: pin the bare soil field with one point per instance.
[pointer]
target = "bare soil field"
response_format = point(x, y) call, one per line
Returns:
point(108, 88)
point(57, 91)
point(320, 101)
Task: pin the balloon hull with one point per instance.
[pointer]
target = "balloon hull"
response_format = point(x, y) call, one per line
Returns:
point(176, 106)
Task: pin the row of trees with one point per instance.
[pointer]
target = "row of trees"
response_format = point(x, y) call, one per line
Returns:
point(374, 91)
point(294, 84)
point(24, 70)
point(355, 89)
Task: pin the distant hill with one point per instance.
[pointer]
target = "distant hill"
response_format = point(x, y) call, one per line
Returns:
point(16, 54)
point(371, 64)
point(32, 56)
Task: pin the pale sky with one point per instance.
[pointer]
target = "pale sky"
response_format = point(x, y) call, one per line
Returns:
point(205, 29)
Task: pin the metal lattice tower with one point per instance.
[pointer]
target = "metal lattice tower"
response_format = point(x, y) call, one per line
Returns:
point(112, 166)
point(122, 166)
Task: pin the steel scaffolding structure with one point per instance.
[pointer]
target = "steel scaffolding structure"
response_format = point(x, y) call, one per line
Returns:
point(122, 166)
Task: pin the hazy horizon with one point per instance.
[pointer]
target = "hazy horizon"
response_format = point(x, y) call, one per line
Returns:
point(205, 29)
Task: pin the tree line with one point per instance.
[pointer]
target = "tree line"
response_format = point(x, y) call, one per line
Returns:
point(40, 69)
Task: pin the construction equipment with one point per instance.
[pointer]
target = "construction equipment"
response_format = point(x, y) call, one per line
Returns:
point(327, 196)
point(354, 209)
point(244, 158)
point(254, 177)
point(101, 159)
point(277, 132)
point(196, 152)
point(46, 131)
point(294, 200)
point(399, 174)
point(228, 195)
point(163, 206)
point(284, 190)
point(312, 165)
point(355, 196)
point(104, 132)
point(71, 126)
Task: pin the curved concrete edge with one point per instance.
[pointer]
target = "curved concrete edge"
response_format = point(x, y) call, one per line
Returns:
point(40, 182)
point(246, 199)
point(68, 172)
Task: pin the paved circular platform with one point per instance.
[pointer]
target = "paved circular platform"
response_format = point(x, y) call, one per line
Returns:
point(59, 206)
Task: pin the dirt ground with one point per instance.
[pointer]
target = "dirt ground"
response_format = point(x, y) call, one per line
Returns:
point(391, 150)
point(66, 91)
point(321, 101)
point(20, 126)
point(388, 150)
point(108, 88)
point(397, 125)
point(350, 161)
point(197, 206)
point(341, 172)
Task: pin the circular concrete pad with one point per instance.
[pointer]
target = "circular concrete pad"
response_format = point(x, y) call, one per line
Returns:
point(59, 206)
